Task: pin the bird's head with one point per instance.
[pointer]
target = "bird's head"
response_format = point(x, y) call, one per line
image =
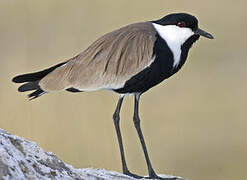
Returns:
point(180, 26)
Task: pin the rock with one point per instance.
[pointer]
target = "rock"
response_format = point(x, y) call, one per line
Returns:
point(22, 159)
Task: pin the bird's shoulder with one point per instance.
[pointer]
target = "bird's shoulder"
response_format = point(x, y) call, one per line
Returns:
point(120, 54)
point(144, 32)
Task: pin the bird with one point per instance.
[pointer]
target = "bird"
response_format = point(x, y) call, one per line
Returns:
point(127, 61)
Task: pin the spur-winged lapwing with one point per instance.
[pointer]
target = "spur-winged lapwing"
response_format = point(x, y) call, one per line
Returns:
point(129, 60)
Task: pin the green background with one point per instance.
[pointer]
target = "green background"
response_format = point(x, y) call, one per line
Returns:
point(194, 123)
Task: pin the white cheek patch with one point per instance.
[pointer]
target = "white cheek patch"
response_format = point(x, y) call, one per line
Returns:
point(175, 37)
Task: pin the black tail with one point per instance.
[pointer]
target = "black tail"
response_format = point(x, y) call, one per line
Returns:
point(31, 81)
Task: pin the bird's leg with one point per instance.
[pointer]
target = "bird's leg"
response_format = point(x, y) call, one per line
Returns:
point(116, 120)
point(136, 119)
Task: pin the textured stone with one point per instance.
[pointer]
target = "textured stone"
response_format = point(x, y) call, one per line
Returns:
point(22, 159)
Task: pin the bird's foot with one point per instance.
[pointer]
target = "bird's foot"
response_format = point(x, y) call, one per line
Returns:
point(158, 177)
point(149, 177)
point(132, 175)
point(153, 175)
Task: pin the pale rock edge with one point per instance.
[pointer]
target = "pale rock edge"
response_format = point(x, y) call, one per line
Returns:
point(22, 159)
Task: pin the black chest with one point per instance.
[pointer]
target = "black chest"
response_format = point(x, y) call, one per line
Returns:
point(162, 67)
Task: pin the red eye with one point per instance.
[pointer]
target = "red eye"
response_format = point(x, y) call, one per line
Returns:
point(181, 24)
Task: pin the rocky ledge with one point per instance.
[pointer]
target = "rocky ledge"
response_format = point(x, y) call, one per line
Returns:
point(22, 159)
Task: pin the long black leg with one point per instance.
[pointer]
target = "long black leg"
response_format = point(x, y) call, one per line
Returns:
point(116, 120)
point(136, 120)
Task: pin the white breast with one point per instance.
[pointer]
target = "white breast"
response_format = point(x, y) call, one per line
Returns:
point(175, 37)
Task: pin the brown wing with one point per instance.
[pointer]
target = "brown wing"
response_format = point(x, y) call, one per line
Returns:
point(108, 63)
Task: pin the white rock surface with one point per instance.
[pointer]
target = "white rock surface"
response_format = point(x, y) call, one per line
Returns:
point(21, 159)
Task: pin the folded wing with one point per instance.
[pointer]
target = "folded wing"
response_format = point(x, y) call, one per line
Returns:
point(108, 63)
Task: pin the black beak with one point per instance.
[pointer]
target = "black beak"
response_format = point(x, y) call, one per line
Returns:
point(203, 33)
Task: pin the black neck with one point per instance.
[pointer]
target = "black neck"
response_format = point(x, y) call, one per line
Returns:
point(185, 50)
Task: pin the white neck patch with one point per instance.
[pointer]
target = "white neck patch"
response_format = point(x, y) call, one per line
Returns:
point(175, 37)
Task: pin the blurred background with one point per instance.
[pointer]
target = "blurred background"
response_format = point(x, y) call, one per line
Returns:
point(194, 123)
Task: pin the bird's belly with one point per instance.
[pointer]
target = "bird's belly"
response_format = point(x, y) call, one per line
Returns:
point(147, 78)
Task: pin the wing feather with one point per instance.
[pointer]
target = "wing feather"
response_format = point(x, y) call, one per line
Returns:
point(108, 63)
